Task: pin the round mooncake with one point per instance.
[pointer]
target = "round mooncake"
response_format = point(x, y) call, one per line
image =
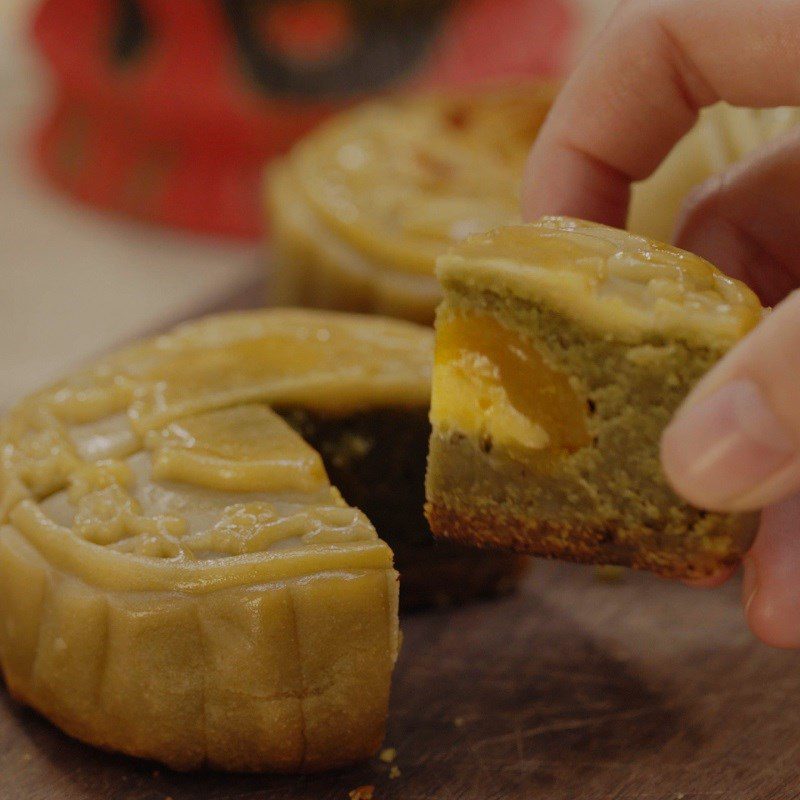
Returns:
point(362, 208)
point(179, 580)
point(189, 570)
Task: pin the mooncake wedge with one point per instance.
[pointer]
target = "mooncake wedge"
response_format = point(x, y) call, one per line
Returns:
point(361, 209)
point(562, 350)
point(179, 578)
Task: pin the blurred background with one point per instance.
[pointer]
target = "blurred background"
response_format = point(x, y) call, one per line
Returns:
point(134, 136)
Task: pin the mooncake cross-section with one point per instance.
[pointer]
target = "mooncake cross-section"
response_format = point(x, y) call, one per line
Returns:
point(361, 208)
point(562, 350)
point(179, 579)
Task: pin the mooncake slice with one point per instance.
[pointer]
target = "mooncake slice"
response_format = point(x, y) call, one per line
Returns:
point(562, 350)
point(361, 209)
point(179, 579)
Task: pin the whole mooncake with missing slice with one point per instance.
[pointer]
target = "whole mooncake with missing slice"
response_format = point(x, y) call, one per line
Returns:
point(361, 208)
point(179, 578)
point(562, 350)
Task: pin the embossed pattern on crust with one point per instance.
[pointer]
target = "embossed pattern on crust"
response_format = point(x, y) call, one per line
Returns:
point(178, 578)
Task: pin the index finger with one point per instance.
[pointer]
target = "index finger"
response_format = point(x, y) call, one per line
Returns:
point(639, 90)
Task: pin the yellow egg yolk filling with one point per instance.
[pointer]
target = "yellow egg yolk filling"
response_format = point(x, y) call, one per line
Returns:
point(492, 383)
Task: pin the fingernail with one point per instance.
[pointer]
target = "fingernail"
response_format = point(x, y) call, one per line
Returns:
point(725, 446)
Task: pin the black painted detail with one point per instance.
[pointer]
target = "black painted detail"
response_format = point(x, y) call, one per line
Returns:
point(130, 35)
point(387, 40)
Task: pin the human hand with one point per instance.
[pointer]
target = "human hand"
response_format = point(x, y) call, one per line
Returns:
point(735, 442)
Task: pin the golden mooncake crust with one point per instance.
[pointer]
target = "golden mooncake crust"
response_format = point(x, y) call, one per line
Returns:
point(362, 208)
point(609, 280)
point(178, 578)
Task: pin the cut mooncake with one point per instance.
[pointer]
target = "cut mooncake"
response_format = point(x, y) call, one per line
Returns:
point(361, 209)
point(562, 350)
point(179, 577)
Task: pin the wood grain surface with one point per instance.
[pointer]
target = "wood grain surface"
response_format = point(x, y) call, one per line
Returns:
point(572, 689)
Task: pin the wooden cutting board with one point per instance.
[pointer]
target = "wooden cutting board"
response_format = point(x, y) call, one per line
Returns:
point(572, 690)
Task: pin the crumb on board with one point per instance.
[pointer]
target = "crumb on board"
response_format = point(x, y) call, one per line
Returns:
point(388, 754)
point(363, 793)
point(459, 722)
point(394, 772)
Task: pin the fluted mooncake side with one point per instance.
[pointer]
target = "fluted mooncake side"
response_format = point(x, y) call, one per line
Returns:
point(178, 578)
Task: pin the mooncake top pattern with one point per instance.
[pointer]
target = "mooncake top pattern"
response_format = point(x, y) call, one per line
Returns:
point(167, 464)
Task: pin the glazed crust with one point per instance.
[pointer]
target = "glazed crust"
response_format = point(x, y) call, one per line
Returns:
point(493, 529)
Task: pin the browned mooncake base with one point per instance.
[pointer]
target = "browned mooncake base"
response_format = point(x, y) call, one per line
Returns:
point(637, 549)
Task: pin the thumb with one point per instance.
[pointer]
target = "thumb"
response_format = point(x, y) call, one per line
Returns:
point(735, 443)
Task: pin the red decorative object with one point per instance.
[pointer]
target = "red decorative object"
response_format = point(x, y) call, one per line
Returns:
point(169, 109)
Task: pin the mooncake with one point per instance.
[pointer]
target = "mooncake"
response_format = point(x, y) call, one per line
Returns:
point(179, 578)
point(361, 209)
point(562, 350)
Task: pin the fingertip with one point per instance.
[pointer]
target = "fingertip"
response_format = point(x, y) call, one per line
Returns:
point(749, 582)
point(533, 203)
point(772, 576)
point(704, 227)
point(728, 450)
point(543, 191)
point(742, 219)
point(768, 621)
